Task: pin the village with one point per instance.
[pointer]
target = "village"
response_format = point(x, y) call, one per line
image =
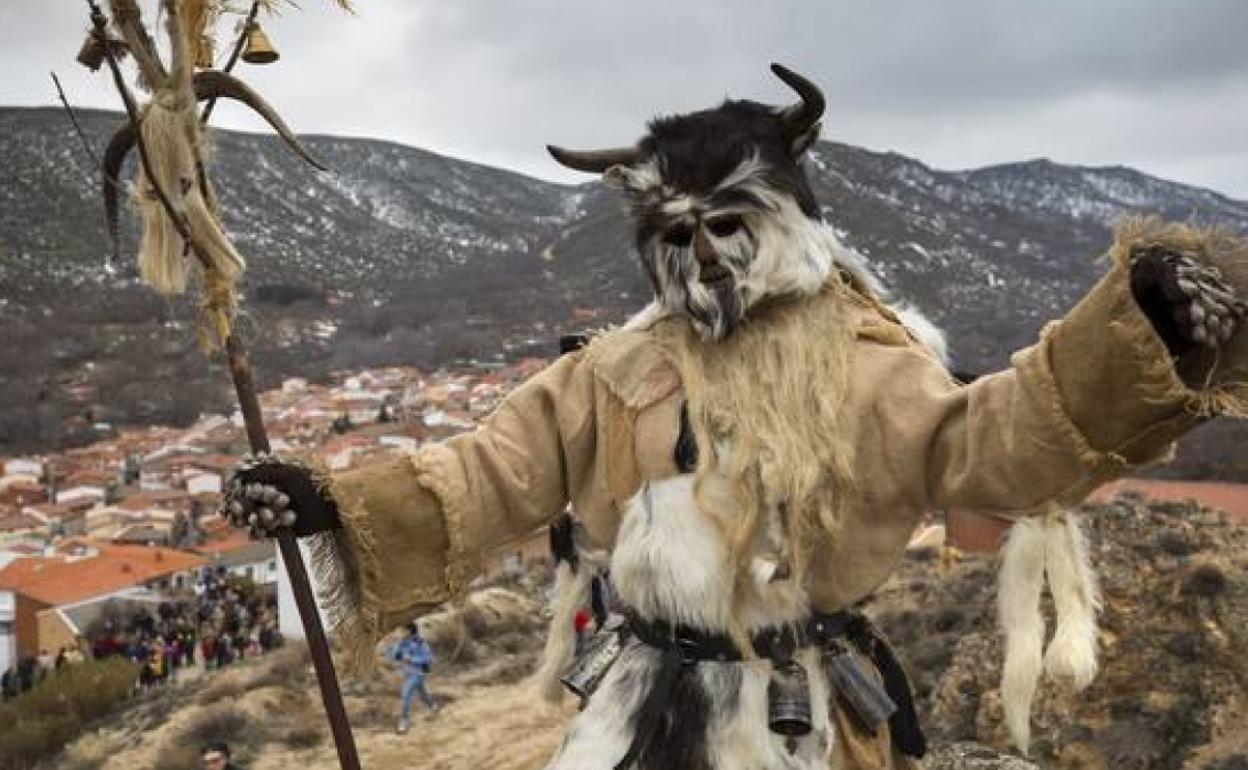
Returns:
point(129, 523)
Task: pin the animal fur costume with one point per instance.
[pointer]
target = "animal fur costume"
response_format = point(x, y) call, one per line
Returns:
point(751, 456)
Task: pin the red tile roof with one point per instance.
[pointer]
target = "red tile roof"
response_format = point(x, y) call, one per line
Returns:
point(233, 541)
point(14, 521)
point(57, 580)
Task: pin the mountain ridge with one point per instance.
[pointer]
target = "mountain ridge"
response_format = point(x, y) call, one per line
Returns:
point(403, 255)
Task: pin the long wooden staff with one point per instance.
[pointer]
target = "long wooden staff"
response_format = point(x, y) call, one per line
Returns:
point(257, 437)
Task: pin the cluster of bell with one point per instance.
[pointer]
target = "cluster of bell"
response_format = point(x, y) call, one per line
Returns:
point(258, 49)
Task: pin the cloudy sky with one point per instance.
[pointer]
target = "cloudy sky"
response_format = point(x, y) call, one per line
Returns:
point(1160, 85)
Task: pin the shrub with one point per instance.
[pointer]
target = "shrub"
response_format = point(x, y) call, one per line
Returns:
point(88, 690)
point(225, 722)
point(220, 688)
point(36, 739)
point(39, 723)
point(303, 737)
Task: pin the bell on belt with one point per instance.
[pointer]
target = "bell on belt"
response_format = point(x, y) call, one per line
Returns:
point(788, 700)
point(596, 658)
point(259, 50)
point(203, 53)
point(865, 696)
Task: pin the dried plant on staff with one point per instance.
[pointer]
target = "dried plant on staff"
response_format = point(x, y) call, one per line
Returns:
point(177, 203)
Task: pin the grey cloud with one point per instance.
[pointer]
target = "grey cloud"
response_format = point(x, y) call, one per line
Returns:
point(1157, 84)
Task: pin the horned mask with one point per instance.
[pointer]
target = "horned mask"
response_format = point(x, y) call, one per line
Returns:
point(723, 213)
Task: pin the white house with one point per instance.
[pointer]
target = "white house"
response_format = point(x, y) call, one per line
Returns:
point(254, 560)
point(405, 443)
point(288, 619)
point(81, 492)
point(23, 466)
point(203, 482)
point(294, 385)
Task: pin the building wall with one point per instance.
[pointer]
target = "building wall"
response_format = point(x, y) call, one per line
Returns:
point(26, 624)
point(53, 632)
point(262, 572)
point(287, 611)
point(8, 638)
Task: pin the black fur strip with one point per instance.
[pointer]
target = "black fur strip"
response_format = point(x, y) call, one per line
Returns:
point(679, 736)
point(686, 445)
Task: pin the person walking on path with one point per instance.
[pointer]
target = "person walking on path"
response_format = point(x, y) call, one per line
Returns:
point(416, 657)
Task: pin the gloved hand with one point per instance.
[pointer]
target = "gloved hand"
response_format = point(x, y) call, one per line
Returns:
point(1189, 304)
point(267, 494)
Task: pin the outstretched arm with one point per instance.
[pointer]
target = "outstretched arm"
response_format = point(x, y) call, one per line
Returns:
point(1109, 387)
point(398, 537)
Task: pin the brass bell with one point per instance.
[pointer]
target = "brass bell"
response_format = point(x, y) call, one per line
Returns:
point(788, 701)
point(203, 53)
point(91, 55)
point(259, 50)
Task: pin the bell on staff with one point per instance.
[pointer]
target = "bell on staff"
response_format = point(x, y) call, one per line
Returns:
point(203, 54)
point(259, 50)
point(91, 55)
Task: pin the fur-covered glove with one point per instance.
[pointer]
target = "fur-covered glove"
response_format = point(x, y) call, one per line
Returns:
point(1189, 304)
point(267, 493)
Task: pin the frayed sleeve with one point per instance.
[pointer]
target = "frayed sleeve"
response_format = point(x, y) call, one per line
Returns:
point(1097, 396)
point(415, 527)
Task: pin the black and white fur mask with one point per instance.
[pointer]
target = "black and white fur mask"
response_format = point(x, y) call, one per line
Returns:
point(723, 213)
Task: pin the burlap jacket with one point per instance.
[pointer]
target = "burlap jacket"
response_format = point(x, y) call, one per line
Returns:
point(1096, 396)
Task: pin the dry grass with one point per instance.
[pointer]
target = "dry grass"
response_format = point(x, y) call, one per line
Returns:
point(223, 722)
point(220, 688)
point(92, 750)
point(303, 736)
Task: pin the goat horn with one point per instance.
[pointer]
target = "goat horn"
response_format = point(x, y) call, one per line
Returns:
point(213, 84)
point(799, 118)
point(595, 161)
point(114, 156)
point(209, 84)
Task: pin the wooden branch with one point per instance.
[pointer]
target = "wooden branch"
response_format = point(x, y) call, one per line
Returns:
point(240, 371)
point(142, 47)
point(86, 145)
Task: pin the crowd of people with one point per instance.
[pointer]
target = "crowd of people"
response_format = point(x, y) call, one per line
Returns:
point(225, 621)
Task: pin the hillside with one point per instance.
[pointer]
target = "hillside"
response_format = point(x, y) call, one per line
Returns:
point(1170, 695)
point(401, 255)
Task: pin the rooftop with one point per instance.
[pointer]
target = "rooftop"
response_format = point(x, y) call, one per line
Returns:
point(64, 578)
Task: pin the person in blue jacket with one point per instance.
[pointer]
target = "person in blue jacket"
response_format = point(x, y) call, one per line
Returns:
point(416, 657)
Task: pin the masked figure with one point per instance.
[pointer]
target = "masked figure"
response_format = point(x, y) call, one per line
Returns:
point(754, 448)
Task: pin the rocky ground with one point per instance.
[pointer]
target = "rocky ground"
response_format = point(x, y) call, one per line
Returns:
point(1174, 638)
point(1171, 693)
